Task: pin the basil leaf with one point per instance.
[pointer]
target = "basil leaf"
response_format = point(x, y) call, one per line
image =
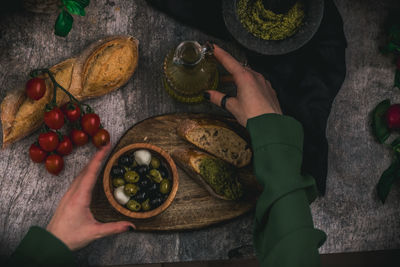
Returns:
point(394, 33)
point(389, 176)
point(392, 47)
point(396, 145)
point(397, 79)
point(379, 126)
point(63, 24)
point(84, 3)
point(74, 7)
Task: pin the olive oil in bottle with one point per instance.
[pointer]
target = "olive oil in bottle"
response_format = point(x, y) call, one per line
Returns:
point(189, 70)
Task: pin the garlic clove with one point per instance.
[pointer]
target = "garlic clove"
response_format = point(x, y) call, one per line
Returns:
point(142, 157)
point(120, 195)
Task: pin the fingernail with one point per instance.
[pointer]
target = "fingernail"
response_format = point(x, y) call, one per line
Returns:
point(206, 95)
point(131, 229)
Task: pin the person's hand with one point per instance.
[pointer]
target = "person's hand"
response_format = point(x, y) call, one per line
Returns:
point(73, 223)
point(255, 95)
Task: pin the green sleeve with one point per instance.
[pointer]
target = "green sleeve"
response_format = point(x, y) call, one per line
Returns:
point(41, 248)
point(284, 233)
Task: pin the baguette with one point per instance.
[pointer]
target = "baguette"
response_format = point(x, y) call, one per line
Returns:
point(218, 177)
point(101, 68)
point(216, 138)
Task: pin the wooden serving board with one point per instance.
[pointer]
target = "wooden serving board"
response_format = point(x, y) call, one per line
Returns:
point(193, 206)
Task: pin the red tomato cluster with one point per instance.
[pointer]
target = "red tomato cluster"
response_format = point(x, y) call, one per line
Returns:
point(51, 145)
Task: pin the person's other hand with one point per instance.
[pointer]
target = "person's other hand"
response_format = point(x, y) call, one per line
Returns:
point(73, 223)
point(255, 95)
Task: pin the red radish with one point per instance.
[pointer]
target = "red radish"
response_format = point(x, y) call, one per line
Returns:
point(393, 116)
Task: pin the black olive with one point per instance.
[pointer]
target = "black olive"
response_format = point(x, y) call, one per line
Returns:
point(141, 196)
point(144, 183)
point(142, 170)
point(117, 172)
point(125, 160)
point(163, 171)
point(156, 202)
point(153, 187)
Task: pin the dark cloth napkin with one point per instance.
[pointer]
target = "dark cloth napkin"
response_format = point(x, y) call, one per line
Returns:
point(306, 80)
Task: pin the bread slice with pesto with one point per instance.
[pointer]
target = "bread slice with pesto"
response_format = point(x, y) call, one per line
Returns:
point(217, 176)
point(218, 139)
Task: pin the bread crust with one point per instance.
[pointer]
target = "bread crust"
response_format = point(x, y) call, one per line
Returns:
point(20, 115)
point(184, 157)
point(189, 125)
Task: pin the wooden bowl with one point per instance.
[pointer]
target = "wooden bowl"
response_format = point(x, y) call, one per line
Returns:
point(164, 157)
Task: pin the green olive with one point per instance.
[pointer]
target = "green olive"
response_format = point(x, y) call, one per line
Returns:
point(146, 204)
point(133, 205)
point(165, 186)
point(131, 177)
point(134, 164)
point(118, 182)
point(155, 163)
point(131, 189)
point(155, 176)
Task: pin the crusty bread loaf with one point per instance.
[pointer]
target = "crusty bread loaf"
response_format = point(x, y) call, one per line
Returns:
point(216, 138)
point(218, 177)
point(101, 68)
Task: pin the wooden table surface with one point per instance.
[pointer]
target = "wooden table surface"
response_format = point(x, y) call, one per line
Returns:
point(350, 213)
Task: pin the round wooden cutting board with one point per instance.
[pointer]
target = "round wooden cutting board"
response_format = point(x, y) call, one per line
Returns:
point(193, 206)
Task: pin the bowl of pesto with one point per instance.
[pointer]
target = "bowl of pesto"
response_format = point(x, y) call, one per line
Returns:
point(260, 28)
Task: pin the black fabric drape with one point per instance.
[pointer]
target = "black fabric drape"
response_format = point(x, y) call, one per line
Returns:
point(306, 80)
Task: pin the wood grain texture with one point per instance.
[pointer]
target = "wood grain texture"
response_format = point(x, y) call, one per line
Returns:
point(193, 206)
point(350, 213)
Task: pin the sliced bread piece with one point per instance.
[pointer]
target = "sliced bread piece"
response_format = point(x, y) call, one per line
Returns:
point(216, 138)
point(217, 176)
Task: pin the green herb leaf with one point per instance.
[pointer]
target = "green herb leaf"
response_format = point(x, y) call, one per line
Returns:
point(396, 145)
point(84, 3)
point(74, 7)
point(63, 24)
point(394, 33)
point(389, 176)
point(379, 126)
point(397, 79)
point(392, 47)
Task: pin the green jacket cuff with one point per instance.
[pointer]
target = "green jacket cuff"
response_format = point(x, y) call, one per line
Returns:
point(268, 129)
point(41, 248)
point(277, 143)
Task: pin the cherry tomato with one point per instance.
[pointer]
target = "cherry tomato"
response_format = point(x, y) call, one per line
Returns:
point(54, 164)
point(65, 146)
point(48, 141)
point(79, 137)
point(71, 111)
point(37, 154)
point(54, 118)
point(35, 88)
point(90, 123)
point(101, 138)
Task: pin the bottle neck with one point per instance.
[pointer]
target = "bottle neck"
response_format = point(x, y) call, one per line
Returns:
point(189, 54)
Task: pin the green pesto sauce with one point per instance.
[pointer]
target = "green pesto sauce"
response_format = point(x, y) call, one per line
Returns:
point(267, 25)
point(222, 178)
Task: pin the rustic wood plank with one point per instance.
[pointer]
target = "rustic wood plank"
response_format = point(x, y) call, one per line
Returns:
point(193, 206)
